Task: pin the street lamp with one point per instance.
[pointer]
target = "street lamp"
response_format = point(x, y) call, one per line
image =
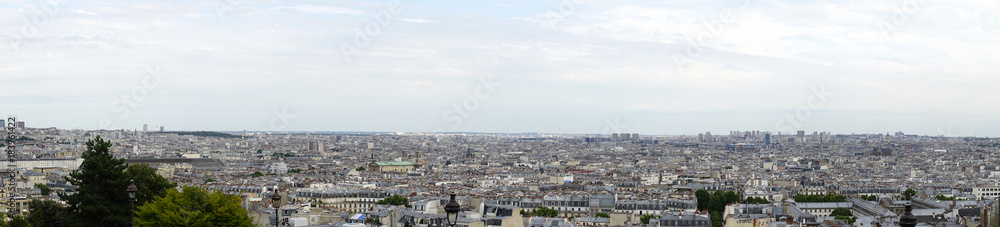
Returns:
point(452, 208)
point(131, 198)
point(276, 198)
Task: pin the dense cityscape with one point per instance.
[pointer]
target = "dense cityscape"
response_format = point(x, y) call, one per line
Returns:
point(552, 180)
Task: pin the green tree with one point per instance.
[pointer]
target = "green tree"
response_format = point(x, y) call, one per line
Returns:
point(849, 219)
point(394, 200)
point(193, 207)
point(731, 197)
point(360, 168)
point(756, 200)
point(45, 213)
point(645, 218)
point(544, 212)
point(257, 174)
point(908, 194)
point(703, 197)
point(45, 189)
point(602, 215)
point(447, 162)
point(716, 217)
point(841, 211)
point(149, 184)
point(99, 200)
point(16, 221)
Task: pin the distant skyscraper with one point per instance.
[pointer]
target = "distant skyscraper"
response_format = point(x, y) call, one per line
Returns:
point(20, 124)
point(161, 128)
point(3, 123)
point(313, 145)
point(801, 134)
point(767, 139)
point(614, 136)
point(635, 136)
point(145, 127)
point(708, 136)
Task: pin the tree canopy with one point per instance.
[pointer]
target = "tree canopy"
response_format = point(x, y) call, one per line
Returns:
point(150, 184)
point(543, 212)
point(193, 207)
point(101, 181)
point(43, 188)
point(703, 197)
point(394, 200)
point(100, 199)
point(909, 193)
point(756, 200)
point(45, 213)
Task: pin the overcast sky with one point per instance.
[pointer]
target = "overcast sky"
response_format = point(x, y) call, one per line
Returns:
point(651, 67)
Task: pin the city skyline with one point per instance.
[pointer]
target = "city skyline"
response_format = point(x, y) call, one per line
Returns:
point(576, 67)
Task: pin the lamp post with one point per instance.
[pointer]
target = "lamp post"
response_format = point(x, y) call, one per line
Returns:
point(452, 208)
point(276, 198)
point(131, 198)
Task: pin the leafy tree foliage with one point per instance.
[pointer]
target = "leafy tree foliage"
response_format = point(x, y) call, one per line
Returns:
point(360, 168)
point(45, 213)
point(908, 194)
point(394, 200)
point(101, 179)
point(45, 189)
point(756, 200)
point(819, 198)
point(645, 218)
point(193, 207)
point(716, 218)
point(257, 174)
point(849, 219)
point(869, 198)
point(703, 197)
point(543, 212)
point(944, 198)
point(602, 215)
point(840, 211)
point(150, 184)
point(16, 221)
